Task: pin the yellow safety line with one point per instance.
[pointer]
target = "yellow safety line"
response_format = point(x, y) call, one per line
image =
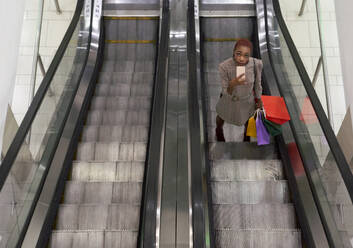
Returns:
point(131, 17)
point(221, 39)
point(131, 41)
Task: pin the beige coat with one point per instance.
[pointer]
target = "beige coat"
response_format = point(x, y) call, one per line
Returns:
point(238, 107)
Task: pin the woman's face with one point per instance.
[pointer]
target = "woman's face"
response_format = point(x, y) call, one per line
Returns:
point(242, 55)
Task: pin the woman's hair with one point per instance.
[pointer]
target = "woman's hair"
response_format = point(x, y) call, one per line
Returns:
point(243, 42)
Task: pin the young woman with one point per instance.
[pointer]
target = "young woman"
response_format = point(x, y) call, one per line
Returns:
point(241, 94)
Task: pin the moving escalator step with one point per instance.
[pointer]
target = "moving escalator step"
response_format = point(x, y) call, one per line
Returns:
point(102, 198)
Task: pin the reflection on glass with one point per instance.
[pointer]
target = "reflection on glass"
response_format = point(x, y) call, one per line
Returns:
point(26, 173)
point(312, 135)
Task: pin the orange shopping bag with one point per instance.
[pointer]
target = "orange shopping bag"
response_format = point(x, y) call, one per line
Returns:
point(276, 110)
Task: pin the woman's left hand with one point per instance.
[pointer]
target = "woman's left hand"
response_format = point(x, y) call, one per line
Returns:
point(258, 103)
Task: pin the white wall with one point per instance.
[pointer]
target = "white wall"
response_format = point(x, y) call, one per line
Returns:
point(304, 31)
point(344, 18)
point(11, 17)
point(54, 27)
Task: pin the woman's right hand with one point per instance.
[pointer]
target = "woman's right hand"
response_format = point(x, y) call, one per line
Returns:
point(240, 80)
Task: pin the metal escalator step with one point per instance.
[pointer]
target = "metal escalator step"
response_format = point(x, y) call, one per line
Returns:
point(126, 133)
point(232, 133)
point(111, 151)
point(85, 239)
point(118, 117)
point(112, 78)
point(242, 150)
point(98, 217)
point(142, 89)
point(258, 238)
point(94, 239)
point(230, 170)
point(250, 192)
point(254, 216)
point(145, 66)
point(78, 192)
point(108, 171)
point(108, 77)
point(118, 66)
point(121, 102)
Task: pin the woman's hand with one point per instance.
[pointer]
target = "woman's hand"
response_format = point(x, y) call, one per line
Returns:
point(240, 80)
point(258, 103)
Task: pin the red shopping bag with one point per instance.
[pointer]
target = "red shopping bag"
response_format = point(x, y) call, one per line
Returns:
point(308, 115)
point(276, 110)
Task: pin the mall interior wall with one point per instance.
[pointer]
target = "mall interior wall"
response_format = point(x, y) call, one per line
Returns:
point(11, 18)
point(344, 10)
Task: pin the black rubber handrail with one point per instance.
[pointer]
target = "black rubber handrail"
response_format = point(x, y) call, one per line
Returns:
point(25, 126)
point(335, 148)
point(148, 217)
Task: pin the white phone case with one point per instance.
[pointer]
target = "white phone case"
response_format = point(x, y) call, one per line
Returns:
point(240, 70)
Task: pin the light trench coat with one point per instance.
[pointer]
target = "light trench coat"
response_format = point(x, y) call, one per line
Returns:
point(238, 107)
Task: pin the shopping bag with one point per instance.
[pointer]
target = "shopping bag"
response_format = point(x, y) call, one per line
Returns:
point(308, 115)
point(276, 110)
point(263, 137)
point(272, 128)
point(251, 129)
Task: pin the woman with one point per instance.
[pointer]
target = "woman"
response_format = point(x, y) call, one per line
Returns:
point(241, 94)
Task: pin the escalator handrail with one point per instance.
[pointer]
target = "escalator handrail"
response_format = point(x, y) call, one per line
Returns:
point(335, 148)
point(147, 236)
point(30, 115)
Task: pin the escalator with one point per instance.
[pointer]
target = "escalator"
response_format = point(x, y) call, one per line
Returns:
point(295, 192)
point(85, 184)
point(249, 189)
point(102, 197)
point(118, 147)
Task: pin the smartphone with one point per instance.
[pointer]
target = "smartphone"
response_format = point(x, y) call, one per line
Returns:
point(241, 70)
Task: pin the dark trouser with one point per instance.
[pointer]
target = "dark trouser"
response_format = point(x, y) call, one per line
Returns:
point(220, 123)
